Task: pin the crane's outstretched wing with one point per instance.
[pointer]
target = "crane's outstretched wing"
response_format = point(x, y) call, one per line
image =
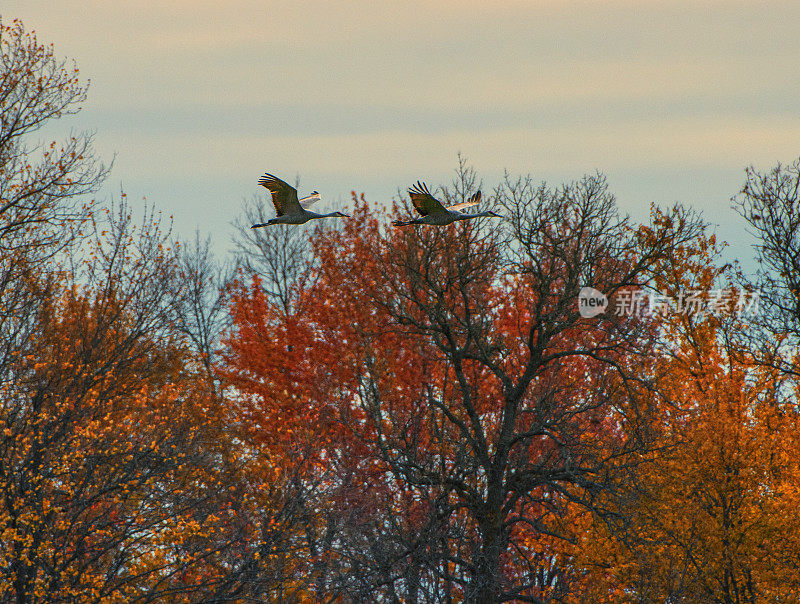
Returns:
point(311, 199)
point(423, 201)
point(472, 201)
point(284, 196)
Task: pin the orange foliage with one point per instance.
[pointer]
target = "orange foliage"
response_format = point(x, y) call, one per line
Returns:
point(715, 517)
point(391, 381)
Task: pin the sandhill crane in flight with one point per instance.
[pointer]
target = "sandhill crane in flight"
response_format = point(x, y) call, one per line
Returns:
point(287, 207)
point(432, 211)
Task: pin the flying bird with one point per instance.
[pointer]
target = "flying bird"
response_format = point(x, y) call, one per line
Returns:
point(432, 211)
point(288, 208)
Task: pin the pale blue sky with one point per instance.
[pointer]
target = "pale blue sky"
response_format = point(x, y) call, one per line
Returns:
point(671, 100)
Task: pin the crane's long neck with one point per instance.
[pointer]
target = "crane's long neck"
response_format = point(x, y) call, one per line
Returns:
point(465, 216)
point(329, 215)
point(402, 223)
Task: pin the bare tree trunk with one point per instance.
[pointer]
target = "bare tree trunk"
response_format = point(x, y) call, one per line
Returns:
point(485, 584)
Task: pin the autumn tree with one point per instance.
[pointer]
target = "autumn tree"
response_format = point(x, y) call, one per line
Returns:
point(109, 451)
point(41, 185)
point(715, 516)
point(770, 205)
point(117, 481)
point(449, 379)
